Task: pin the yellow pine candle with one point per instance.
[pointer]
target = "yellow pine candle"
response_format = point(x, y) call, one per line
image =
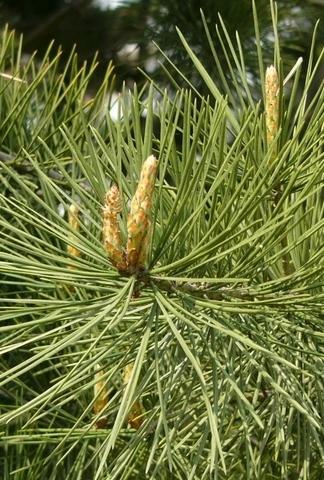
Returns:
point(138, 225)
point(272, 104)
point(74, 222)
point(136, 411)
point(111, 231)
point(101, 397)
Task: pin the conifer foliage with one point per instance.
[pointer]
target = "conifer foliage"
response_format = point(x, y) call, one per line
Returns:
point(161, 319)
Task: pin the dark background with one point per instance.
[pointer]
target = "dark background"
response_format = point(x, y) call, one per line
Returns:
point(123, 31)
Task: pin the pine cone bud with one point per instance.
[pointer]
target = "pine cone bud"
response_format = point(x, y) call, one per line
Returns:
point(111, 232)
point(101, 397)
point(139, 224)
point(136, 411)
point(272, 104)
point(142, 258)
point(74, 222)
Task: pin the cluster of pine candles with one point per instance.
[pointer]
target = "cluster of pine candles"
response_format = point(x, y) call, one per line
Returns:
point(133, 258)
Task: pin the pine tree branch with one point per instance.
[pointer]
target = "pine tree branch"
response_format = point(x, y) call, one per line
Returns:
point(225, 292)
